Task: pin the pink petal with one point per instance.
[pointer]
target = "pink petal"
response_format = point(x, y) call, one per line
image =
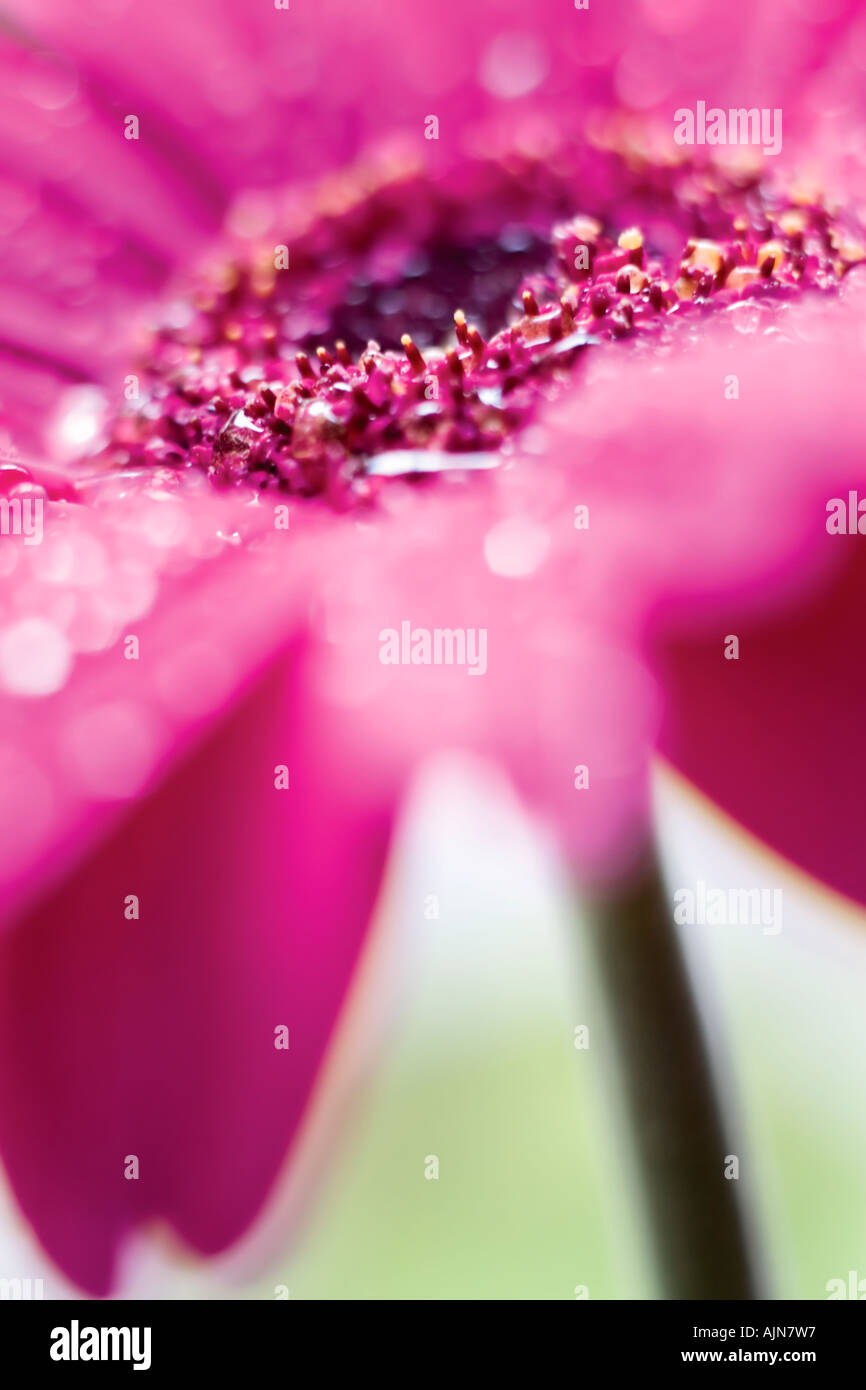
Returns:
point(776, 738)
point(156, 1037)
point(708, 517)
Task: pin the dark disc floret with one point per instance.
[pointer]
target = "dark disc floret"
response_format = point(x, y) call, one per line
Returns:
point(412, 316)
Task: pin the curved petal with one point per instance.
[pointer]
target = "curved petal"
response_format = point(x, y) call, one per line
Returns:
point(777, 737)
point(774, 736)
point(712, 521)
point(158, 777)
point(157, 1037)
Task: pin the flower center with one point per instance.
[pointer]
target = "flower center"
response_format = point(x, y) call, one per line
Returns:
point(402, 323)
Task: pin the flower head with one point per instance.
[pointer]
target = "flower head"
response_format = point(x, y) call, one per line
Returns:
point(480, 391)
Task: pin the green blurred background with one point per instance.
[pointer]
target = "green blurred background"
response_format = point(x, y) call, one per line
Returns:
point(536, 1193)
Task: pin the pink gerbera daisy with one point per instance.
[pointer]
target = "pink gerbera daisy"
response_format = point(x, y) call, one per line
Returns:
point(379, 381)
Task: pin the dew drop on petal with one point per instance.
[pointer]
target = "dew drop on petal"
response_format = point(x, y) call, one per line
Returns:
point(47, 80)
point(250, 215)
point(93, 627)
point(513, 64)
point(111, 748)
point(535, 440)
point(35, 657)
point(53, 604)
point(56, 559)
point(515, 547)
point(89, 568)
point(399, 463)
point(162, 521)
point(79, 421)
point(130, 592)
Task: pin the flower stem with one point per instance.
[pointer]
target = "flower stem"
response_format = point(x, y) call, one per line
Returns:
point(699, 1231)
